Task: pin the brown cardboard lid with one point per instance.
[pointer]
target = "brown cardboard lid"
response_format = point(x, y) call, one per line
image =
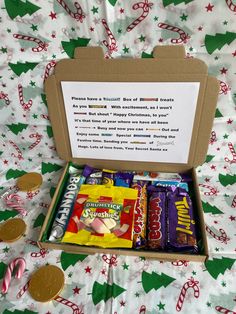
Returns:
point(168, 65)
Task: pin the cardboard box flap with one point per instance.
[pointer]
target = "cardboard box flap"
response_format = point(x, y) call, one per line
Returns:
point(168, 65)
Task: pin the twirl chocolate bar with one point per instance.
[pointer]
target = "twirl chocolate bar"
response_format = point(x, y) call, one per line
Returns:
point(181, 226)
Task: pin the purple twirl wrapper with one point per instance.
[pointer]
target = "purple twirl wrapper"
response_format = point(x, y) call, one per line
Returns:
point(181, 223)
point(156, 226)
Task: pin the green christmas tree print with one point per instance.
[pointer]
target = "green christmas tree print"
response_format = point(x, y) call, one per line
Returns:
point(227, 179)
point(44, 100)
point(207, 208)
point(146, 55)
point(69, 46)
point(6, 214)
point(218, 114)
point(218, 41)
point(49, 131)
point(218, 266)
point(3, 268)
point(209, 158)
point(19, 68)
point(20, 8)
point(175, 2)
point(105, 292)
point(17, 128)
point(52, 191)
point(19, 312)
point(70, 259)
point(155, 281)
point(112, 2)
point(49, 167)
point(39, 220)
point(14, 173)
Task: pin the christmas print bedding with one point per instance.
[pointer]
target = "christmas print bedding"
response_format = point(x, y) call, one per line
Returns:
point(35, 35)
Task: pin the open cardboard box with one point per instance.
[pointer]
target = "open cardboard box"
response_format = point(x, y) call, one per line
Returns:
point(169, 65)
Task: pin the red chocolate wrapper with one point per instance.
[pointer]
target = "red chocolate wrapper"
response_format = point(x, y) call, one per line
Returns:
point(156, 226)
point(181, 223)
point(140, 215)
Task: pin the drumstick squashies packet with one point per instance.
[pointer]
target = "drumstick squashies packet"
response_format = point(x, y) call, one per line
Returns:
point(102, 216)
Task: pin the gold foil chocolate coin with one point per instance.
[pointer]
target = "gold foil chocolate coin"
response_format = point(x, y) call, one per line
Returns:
point(29, 182)
point(12, 230)
point(46, 283)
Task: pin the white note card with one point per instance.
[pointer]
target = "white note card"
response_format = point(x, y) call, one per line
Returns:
point(141, 121)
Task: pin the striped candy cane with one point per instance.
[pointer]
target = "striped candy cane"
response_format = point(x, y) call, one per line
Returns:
point(110, 261)
point(223, 238)
point(233, 153)
point(112, 46)
point(42, 253)
point(224, 88)
point(145, 6)
point(73, 306)
point(230, 5)
point(44, 205)
point(30, 194)
point(23, 290)
point(183, 37)
point(44, 116)
point(78, 15)
point(48, 68)
point(42, 46)
point(212, 190)
point(38, 140)
point(142, 309)
point(19, 155)
point(14, 201)
point(180, 263)
point(25, 106)
point(19, 264)
point(213, 137)
point(191, 283)
point(223, 310)
point(4, 96)
point(234, 202)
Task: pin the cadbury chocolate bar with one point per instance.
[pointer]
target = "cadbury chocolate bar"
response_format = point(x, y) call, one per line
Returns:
point(181, 226)
point(156, 226)
point(140, 215)
point(123, 179)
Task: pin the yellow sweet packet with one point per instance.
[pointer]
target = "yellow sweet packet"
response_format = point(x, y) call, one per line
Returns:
point(102, 216)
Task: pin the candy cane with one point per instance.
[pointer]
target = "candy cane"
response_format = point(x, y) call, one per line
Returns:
point(4, 96)
point(213, 137)
point(30, 194)
point(230, 5)
point(41, 45)
point(222, 238)
point(23, 290)
point(44, 116)
point(26, 106)
point(112, 47)
point(145, 6)
point(19, 156)
point(180, 263)
point(224, 310)
point(78, 15)
point(49, 66)
point(213, 191)
point(14, 201)
point(232, 150)
point(224, 88)
point(234, 202)
point(38, 140)
point(142, 309)
point(191, 283)
point(110, 261)
point(42, 253)
point(31, 242)
point(183, 37)
point(73, 306)
point(18, 263)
